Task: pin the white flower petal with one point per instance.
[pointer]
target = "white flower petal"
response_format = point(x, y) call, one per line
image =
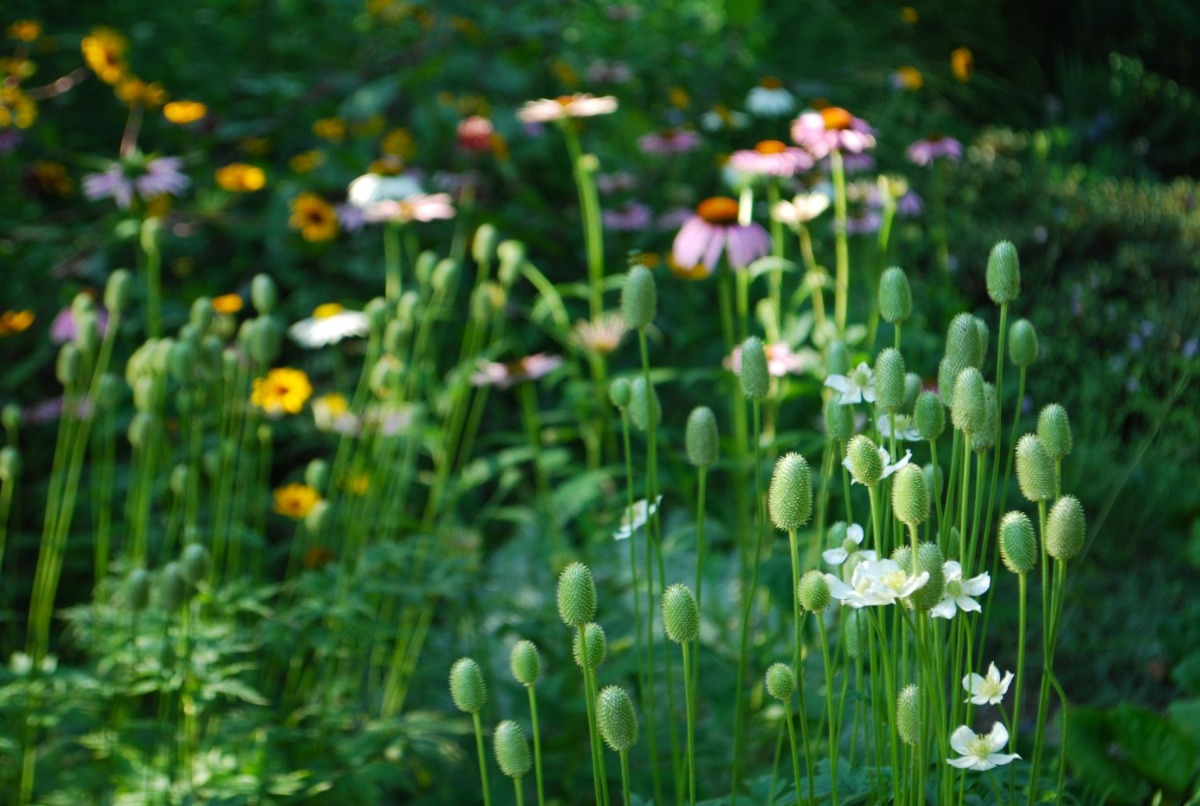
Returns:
point(964, 762)
point(855, 533)
point(835, 556)
point(998, 737)
point(959, 740)
point(967, 604)
point(837, 383)
point(977, 586)
point(943, 609)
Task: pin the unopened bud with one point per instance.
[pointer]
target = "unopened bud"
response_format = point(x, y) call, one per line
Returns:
point(644, 407)
point(969, 409)
point(483, 245)
point(137, 590)
point(839, 420)
point(962, 343)
point(912, 390)
point(1003, 273)
point(639, 298)
point(467, 687)
point(576, 595)
point(755, 376)
point(1035, 469)
point(930, 560)
point(1066, 530)
point(264, 294)
point(866, 465)
point(781, 681)
point(1018, 546)
point(790, 497)
point(619, 393)
point(118, 290)
point(908, 715)
point(895, 296)
point(172, 588)
point(681, 616)
point(616, 718)
point(512, 750)
point(985, 438)
point(590, 647)
point(525, 663)
point(701, 438)
point(910, 498)
point(194, 563)
point(889, 380)
point(1022, 343)
point(813, 591)
point(929, 416)
point(1054, 430)
point(69, 364)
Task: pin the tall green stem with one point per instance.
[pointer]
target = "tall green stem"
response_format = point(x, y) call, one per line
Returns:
point(842, 281)
point(537, 746)
point(483, 775)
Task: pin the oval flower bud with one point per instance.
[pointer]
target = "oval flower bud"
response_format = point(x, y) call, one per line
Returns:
point(512, 750)
point(962, 343)
point(866, 465)
point(316, 474)
point(639, 297)
point(264, 294)
point(616, 718)
point(755, 377)
point(813, 591)
point(910, 498)
point(929, 416)
point(1054, 430)
point(1035, 469)
point(889, 379)
point(789, 498)
point(576, 595)
point(467, 687)
point(67, 368)
point(10, 464)
point(1022, 343)
point(590, 647)
point(912, 390)
point(929, 559)
point(620, 393)
point(118, 290)
point(644, 407)
point(1018, 546)
point(854, 632)
point(137, 590)
point(1066, 530)
point(194, 563)
point(837, 360)
point(1003, 273)
point(969, 410)
point(483, 245)
point(839, 420)
point(985, 438)
point(701, 438)
point(895, 296)
point(781, 681)
point(525, 663)
point(681, 617)
point(908, 715)
point(172, 588)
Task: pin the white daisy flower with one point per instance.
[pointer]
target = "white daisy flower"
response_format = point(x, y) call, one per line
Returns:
point(959, 591)
point(770, 99)
point(856, 387)
point(579, 105)
point(876, 582)
point(331, 413)
point(418, 207)
point(370, 189)
point(988, 690)
point(329, 324)
point(854, 539)
point(800, 210)
point(978, 750)
point(905, 430)
point(635, 518)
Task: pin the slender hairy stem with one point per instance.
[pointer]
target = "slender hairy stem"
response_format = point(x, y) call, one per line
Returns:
point(833, 715)
point(787, 717)
point(537, 746)
point(483, 775)
point(625, 777)
point(690, 707)
point(842, 282)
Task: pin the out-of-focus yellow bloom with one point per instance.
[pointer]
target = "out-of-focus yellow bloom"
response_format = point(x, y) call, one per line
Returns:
point(238, 177)
point(565, 73)
point(295, 500)
point(369, 127)
point(331, 129)
point(398, 143)
point(908, 78)
point(386, 166)
point(910, 15)
point(159, 206)
point(52, 179)
point(228, 303)
point(12, 322)
point(104, 51)
point(133, 90)
point(16, 108)
point(357, 484)
point(962, 62)
point(182, 113)
point(306, 161)
point(679, 98)
point(283, 391)
point(17, 68)
point(313, 217)
point(255, 146)
point(25, 30)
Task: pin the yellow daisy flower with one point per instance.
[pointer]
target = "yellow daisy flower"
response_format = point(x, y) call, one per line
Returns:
point(306, 161)
point(284, 390)
point(331, 129)
point(133, 90)
point(314, 217)
point(238, 177)
point(295, 500)
point(962, 62)
point(228, 303)
point(182, 113)
point(25, 30)
point(104, 51)
point(16, 108)
point(13, 322)
point(908, 78)
point(398, 143)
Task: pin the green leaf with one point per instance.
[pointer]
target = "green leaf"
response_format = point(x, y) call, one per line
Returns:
point(768, 264)
point(1088, 745)
point(1156, 748)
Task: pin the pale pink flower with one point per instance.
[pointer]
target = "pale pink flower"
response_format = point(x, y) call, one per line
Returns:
point(579, 105)
point(420, 207)
point(934, 147)
point(771, 158)
point(781, 360)
point(714, 230)
point(832, 128)
point(668, 142)
point(529, 368)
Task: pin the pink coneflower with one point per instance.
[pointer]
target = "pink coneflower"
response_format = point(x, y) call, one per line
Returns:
point(419, 207)
point(781, 360)
point(62, 329)
point(475, 134)
point(832, 128)
point(771, 158)
point(633, 217)
point(669, 141)
point(909, 205)
point(713, 230)
point(579, 105)
point(934, 147)
point(529, 368)
point(150, 179)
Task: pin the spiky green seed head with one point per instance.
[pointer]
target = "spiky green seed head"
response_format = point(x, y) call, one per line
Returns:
point(10, 417)
point(87, 332)
point(929, 416)
point(781, 681)
point(1003, 273)
point(854, 632)
point(912, 390)
point(1018, 545)
point(67, 367)
point(264, 294)
point(525, 662)
point(1022, 343)
point(837, 361)
point(889, 379)
point(576, 595)
point(1054, 430)
point(985, 438)
point(639, 297)
point(316, 474)
point(866, 465)
point(945, 379)
point(11, 464)
point(969, 410)
point(644, 407)
point(590, 647)
point(982, 329)
point(512, 260)
point(839, 420)
point(467, 687)
point(172, 588)
point(118, 291)
point(483, 245)
point(137, 590)
point(910, 497)
point(895, 296)
point(962, 343)
point(929, 558)
point(194, 563)
point(755, 377)
point(318, 518)
point(908, 715)
point(1035, 469)
point(512, 750)
point(142, 428)
point(702, 440)
point(1066, 529)
point(813, 591)
point(789, 499)
point(902, 556)
point(620, 393)
point(681, 616)
point(616, 718)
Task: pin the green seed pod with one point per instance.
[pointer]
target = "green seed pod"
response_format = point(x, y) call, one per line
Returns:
point(902, 556)
point(837, 361)
point(172, 588)
point(266, 339)
point(929, 416)
point(639, 298)
point(644, 408)
point(755, 377)
point(423, 269)
point(445, 277)
point(318, 518)
point(681, 617)
point(512, 750)
point(118, 290)
point(1054, 430)
point(264, 294)
point(985, 438)
point(1066, 530)
point(87, 333)
point(483, 245)
point(619, 393)
point(912, 390)
point(910, 498)
point(142, 428)
point(1035, 469)
point(908, 715)
point(512, 260)
point(82, 303)
point(1022, 343)
point(781, 681)
point(895, 296)
point(1018, 546)
point(394, 333)
point(10, 417)
point(889, 379)
point(181, 362)
point(839, 420)
point(789, 499)
point(137, 590)
point(866, 465)
point(68, 366)
point(969, 410)
point(982, 329)
point(467, 687)
point(593, 648)
point(945, 379)
point(813, 591)
point(200, 315)
point(178, 481)
point(376, 311)
point(1003, 273)
point(576, 595)
point(962, 343)
point(316, 475)
point(703, 442)
point(144, 393)
point(616, 718)
point(194, 563)
point(854, 632)
point(10, 464)
point(929, 558)
point(525, 663)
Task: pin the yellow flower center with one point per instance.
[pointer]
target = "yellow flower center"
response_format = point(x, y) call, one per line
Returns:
point(771, 147)
point(719, 210)
point(836, 118)
point(327, 310)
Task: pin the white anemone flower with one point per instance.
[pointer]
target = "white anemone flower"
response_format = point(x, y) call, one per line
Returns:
point(905, 430)
point(770, 99)
point(800, 210)
point(329, 324)
point(854, 539)
point(988, 690)
point(978, 750)
point(370, 189)
point(876, 582)
point(418, 207)
point(856, 387)
point(959, 591)
point(635, 518)
point(889, 467)
point(579, 105)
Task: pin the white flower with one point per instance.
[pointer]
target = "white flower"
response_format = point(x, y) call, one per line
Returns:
point(329, 324)
point(770, 100)
point(854, 539)
point(856, 387)
point(889, 467)
point(905, 430)
point(800, 210)
point(722, 117)
point(979, 750)
point(418, 207)
point(579, 105)
point(369, 189)
point(635, 518)
point(331, 412)
point(959, 591)
point(876, 582)
point(988, 690)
